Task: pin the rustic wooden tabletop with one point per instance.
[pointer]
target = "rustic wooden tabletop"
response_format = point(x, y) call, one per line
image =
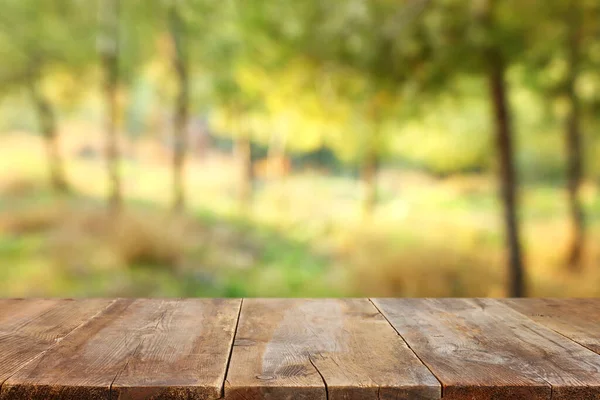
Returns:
point(300, 349)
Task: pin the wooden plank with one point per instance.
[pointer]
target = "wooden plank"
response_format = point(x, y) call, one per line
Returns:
point(84, 364)
point(577, 319)
point(322, 349)
point(30, 327)
point(481, 349)
point(15, 312)
point(186, 357)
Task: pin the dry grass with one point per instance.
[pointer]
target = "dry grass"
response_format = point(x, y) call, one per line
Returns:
point(550, 275)
point(94, 236)
point(435, 269)
point(16, 186)
point(439, 266)
point(82, 236)
point(149, 239)
point(32, 219)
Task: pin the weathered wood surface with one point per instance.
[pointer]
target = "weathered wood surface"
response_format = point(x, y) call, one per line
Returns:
point(186, 356)
point(84, 365)
point(350, 349)
point(577, 319)
point(322, 349)
point(139, 349)
point(481, 349)
point(30, 327)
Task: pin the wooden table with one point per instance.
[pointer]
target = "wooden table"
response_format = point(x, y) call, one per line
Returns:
point(300, 349)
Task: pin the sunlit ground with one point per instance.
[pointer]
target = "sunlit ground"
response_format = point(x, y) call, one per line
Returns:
point(303, 236)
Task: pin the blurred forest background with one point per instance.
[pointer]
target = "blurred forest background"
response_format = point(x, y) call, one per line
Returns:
point(299, 148)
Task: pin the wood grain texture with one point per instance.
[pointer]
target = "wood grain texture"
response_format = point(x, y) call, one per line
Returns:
point(577, 319)
point(84, 364)
point(14, 312)
point(319, 349)
point(481, 349)
point(186, 356)
point(299, 349)
point(30, 327)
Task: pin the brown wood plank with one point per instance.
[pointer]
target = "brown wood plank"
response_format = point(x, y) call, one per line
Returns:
point(83, 365)
point(577, 319)
point(481, 349)
point(30, 327)
point(14, 312)
point(319, 349)
point(186, 357)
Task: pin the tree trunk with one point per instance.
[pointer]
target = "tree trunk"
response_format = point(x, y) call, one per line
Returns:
point(369, 170)
point(574, 146)
point(370, 165)
point(508, 178)
point(243, 149)
point(109, 42)
point(182, 109)
point(47, 121)
point(505, 152)
point(278, 165)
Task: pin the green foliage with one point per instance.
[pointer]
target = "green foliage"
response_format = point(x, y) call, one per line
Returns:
point(48, 44)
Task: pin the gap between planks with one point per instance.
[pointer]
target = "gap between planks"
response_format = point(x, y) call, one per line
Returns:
point(407, 345)
point(321, 375)
point(537, 341)
point(235, 330)
point(520, 308)
point(291, 320)
point(512, 307)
